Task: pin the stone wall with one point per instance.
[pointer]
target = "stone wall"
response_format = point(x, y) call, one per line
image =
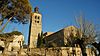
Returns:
point(59, 51)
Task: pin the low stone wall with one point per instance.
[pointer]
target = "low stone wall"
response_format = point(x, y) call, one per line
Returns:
point(59, 51)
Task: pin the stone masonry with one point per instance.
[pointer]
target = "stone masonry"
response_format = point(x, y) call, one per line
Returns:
point(35, 29)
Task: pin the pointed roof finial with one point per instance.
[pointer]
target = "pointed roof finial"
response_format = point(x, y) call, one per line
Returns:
point(36, 9)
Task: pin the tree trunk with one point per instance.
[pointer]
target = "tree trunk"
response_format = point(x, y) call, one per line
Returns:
point(5, 24)
point(97, 46)
point(83, 49)
point(82, 46)
point(1, 22)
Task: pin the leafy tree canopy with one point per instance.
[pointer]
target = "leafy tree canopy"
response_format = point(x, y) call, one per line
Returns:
point(17, 9)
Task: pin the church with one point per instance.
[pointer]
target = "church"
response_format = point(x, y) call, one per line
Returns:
point(59, 38)
point(52, 38)
point(54, 41)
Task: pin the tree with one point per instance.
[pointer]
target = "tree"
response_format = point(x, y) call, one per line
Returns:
point(97, 46)
point(88, 34)
point(14, 11)
point(40, 41)
point(71, 40)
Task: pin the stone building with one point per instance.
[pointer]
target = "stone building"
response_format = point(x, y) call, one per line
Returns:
point(60, 38)
point(14, 40)
point(47, 33)
point(35, 28)
point(17, 43)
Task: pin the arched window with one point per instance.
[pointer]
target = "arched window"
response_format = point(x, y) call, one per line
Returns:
point(37, 21)
point(38, 17)
point(35, 17)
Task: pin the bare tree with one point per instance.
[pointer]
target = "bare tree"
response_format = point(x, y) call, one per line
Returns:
point(88, 34)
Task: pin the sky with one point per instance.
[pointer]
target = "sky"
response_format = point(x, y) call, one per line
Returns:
point(58, 14)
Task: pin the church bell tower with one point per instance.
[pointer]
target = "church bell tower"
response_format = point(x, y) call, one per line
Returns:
point(35, 28)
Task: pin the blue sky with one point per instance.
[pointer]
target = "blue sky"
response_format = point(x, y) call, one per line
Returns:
point(58, 14)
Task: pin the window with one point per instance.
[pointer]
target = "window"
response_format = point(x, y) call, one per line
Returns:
point(35, 17)
point(37, 21)
point(38, 17)
point(18, 41)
